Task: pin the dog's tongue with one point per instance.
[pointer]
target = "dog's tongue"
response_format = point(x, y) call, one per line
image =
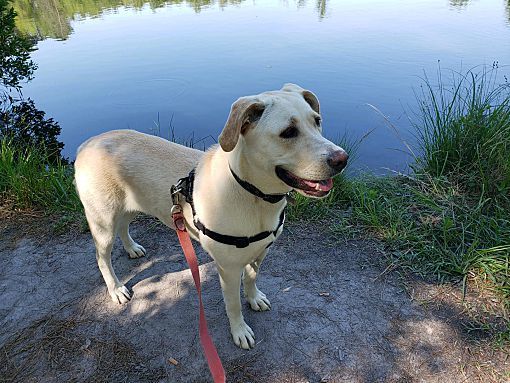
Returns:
point(324, 185)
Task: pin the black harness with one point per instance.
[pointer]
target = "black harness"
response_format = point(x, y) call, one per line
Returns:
point(185, 187)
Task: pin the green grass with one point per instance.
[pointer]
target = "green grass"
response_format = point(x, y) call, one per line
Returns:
point(464, 132)
point(27, 182)
point(432, 228)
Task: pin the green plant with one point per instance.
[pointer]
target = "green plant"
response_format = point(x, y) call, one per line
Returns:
point(28, 179)
point(464, 132)
point(432, 228)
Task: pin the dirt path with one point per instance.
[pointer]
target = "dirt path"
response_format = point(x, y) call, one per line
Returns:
point(336, 316)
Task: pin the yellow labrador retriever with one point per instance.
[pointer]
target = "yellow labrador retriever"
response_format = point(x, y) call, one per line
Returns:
point(270, 145)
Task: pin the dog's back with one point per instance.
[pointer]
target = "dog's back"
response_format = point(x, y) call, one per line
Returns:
point(116, 166)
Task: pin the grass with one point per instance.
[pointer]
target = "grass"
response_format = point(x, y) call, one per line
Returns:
point(464, 132)
point(432, 228)
point(28, 182)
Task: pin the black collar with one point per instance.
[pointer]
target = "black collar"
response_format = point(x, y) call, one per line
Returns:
point(271, 198)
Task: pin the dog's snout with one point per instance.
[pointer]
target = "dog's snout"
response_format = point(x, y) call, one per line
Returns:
point(338, 160)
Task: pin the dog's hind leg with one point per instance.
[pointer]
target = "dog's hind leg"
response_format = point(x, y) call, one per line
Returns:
point(256, 298)
point(133, 249)
point(104, 236)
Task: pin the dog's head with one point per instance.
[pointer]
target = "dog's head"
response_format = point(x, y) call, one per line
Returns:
point(279, 134)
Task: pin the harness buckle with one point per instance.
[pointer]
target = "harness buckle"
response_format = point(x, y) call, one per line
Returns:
point(242, 242)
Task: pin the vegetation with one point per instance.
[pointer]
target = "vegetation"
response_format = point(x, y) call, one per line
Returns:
point(25, 126)
point(432, 228)
point(465, 134)
point(28, 182)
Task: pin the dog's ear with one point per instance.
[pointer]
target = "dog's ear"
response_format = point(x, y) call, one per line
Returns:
point(309, 97)
point(245, 112)
point(312, 100)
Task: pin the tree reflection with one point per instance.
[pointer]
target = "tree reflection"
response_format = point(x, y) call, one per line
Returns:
point(459, 3)
point(320, 5)
point(322, 8)
point(52, 18)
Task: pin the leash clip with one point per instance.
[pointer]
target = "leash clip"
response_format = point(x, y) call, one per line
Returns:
point(175, 194)
point(176, 210)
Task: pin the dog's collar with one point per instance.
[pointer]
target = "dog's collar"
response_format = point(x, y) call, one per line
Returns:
point(271, 198)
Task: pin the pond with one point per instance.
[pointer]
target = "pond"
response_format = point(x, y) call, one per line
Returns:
point(175, 67)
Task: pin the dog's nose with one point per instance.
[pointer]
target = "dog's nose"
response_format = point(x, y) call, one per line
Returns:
point(338, 159)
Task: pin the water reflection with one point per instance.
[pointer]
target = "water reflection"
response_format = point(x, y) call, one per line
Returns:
point(52, 18)
point(459, 3)
point(508, 10)
point(320, 6)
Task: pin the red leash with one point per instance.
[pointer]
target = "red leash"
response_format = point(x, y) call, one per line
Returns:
point(213, 360)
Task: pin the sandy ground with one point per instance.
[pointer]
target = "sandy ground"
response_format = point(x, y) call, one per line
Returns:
point(338, 315)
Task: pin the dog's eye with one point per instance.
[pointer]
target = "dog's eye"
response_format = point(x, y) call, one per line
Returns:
point(318, 121)
point(290, 132)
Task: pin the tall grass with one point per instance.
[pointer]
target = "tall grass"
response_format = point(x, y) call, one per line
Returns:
point(464, 132)
point(28, 181)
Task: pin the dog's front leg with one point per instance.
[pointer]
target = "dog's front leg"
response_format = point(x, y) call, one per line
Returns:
point(256, 298)
point(230, 279)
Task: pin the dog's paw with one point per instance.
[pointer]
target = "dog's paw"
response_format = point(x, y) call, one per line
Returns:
point(243, 335)
point(136, 251)
point(120, 295)
point(259, 301)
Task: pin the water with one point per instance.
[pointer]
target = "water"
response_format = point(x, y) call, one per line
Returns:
point(111, 65)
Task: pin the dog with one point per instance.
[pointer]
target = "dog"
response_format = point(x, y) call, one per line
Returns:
point(271, 144)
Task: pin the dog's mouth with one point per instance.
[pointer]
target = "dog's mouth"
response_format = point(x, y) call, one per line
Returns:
point(311, 188)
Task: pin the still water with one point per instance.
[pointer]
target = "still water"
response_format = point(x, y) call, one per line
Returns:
point(178, 65)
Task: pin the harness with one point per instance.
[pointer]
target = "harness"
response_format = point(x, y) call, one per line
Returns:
point(185, 187)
